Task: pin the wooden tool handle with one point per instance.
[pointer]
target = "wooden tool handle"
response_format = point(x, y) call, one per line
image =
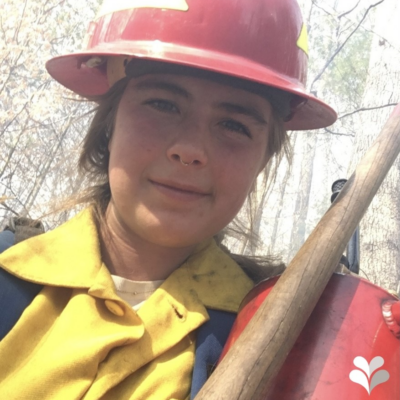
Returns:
point(247, 370)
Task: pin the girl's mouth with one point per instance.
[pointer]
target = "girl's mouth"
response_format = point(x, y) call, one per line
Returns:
point(179, 191)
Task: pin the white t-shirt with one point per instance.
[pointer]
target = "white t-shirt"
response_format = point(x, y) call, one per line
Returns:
point(135, 292)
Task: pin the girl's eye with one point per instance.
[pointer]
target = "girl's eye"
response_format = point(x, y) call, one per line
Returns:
point(163, 106)
point(236, 127)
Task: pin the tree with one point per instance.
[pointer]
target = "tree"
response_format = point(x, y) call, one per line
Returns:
point(380, 227)
point(40, 126)
point(340, 35)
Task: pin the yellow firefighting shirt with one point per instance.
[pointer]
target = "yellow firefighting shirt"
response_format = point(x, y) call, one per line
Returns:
point(79, 340)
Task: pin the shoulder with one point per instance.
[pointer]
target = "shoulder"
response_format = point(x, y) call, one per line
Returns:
point(257, 268)
point(67, 256)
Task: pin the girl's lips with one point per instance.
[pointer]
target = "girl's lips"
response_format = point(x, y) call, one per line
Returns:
point(180, 191)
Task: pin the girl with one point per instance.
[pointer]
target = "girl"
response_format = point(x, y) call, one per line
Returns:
point(194, 99)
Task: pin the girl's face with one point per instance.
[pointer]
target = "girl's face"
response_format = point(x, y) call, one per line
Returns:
point(165, 122)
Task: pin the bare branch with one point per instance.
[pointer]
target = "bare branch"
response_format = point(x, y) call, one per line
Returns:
point(3, 204)
point(339, 49)
point(350, 11)
point(338, 133)
point(47, 11)
point(321, 8)
point(16, 33)
point(367, 109)
point(13, 149)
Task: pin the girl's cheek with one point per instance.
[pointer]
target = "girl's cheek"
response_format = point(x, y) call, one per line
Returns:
point(241, 158)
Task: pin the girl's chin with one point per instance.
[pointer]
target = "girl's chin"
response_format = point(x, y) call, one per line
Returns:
point(169, 228)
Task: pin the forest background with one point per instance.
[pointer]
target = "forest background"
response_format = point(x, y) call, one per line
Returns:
point(354, 66)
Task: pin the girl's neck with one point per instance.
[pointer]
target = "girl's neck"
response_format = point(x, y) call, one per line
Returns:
point(132, 257)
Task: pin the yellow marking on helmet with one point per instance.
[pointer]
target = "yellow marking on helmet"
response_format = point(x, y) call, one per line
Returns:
point(111, 6)
point(302, 41)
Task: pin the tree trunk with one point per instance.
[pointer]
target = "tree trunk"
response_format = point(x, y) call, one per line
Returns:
point(380, 227)
point(298, 234)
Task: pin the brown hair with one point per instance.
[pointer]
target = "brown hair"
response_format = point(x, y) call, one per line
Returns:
point(94, 157)
point(94, 160)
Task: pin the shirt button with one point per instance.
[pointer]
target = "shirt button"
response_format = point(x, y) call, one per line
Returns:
point(115, 308)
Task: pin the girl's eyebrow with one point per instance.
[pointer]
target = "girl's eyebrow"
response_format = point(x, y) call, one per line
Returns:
point(243, 110)
point(176, 89)
point(167, 86)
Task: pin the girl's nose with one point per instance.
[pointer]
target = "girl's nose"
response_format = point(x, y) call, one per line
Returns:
point(189, 147)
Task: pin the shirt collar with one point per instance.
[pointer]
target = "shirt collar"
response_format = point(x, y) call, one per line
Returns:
point(69, 256)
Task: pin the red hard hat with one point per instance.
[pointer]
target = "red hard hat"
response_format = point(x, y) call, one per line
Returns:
point(263, 41)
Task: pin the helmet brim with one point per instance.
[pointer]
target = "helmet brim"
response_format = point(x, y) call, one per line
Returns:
point(72, 72)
